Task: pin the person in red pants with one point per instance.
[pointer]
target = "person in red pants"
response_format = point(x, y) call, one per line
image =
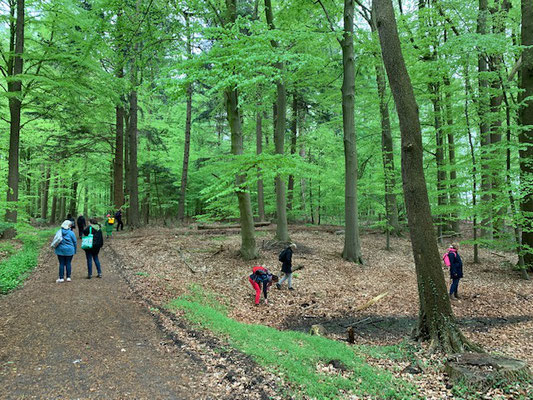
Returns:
point(261, 278)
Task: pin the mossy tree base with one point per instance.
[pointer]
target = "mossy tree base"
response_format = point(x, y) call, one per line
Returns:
point(481, 370)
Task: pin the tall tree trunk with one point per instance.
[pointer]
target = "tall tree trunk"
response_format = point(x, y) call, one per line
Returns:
point(282, 231)
point(147, 199)
point(14, 88)
point(387, 147)
point(127, 171)
point(352, 246)
point(294, 138)
point(474, 164)
point(46, 192)
point(73, 196)
point(436, 321)
point(259, 150)
point(454, 217)
point(187, 143)
point(484, 127)
point(248, 248)
point(526, 134)
point(118, 178)
point(53, 212)
point(439, 158)
point(133, 211)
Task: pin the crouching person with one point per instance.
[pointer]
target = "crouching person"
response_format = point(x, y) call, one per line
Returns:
point(261, 278)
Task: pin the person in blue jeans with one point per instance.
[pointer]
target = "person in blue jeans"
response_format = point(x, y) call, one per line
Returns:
point(65, 250)
point(456, 269)
point(91, 254)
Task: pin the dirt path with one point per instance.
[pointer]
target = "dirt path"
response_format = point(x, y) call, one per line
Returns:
point(88, 339)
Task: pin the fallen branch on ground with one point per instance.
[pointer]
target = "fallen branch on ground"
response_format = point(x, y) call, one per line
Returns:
point(372, 301)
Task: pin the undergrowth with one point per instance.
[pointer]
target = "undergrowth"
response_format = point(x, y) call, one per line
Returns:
point(297, 357)
point(16, 268)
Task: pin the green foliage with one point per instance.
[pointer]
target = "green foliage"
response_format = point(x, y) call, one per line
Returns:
point(296, 356)
point(15, 269)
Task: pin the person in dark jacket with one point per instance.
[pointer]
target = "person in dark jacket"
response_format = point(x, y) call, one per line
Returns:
point(91, 254)
point(81, 224)
point(118, 219)
point(65, 250)
point(456, 269)
point(261, 278)
point(286, 267)
point(71, 219)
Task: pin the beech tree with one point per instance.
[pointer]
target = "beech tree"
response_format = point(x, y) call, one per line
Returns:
point(436, 321)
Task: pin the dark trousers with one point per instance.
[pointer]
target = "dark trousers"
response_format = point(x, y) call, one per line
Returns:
point(119, 223)
point(81, 228)
point(454, 286)
point(93, 255)
point(65, 262)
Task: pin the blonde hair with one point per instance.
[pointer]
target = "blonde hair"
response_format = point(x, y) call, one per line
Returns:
point(293, 246)
point(454, 246)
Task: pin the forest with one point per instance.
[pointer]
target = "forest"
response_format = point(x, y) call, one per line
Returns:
point(380, 124)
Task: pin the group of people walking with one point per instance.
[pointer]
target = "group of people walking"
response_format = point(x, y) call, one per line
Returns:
point(65, 243)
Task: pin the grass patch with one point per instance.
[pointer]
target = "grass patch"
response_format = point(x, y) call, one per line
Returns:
point(142, 273)
point(15, 269)
point(296, 356)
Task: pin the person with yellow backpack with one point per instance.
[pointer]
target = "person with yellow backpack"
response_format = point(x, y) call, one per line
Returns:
point(109, 223)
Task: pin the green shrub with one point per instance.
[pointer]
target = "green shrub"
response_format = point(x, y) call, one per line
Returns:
point(17, 267)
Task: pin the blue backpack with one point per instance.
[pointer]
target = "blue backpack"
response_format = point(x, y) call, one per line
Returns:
point(261, 276)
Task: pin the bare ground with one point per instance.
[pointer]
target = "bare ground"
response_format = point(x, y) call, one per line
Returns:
point(95, 339)
point(494, 310)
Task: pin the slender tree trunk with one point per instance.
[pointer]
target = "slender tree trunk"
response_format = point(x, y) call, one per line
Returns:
point(127, 171)
point(484, 127)
point(436, 320)
point(474, 164)
point(352, 246)
point(14, 88)
point(454, 217)
point(133, 211)
point(73, 196)
point(53, 212)
point(187, 143)
point(118, 178)
point(282, 231)
point(147, 200)
point(294, 138)
point(387, 148)
point(526, 134)
point(46, 192)
point(259, 150)
point(248, 248)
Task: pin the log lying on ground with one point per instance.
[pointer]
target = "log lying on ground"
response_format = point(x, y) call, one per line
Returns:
point(235, 226)
point(481, 370)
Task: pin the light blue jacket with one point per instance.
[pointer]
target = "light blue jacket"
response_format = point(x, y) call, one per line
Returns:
point(67, 247)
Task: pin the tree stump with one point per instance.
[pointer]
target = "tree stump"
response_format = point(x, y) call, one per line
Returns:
point(482, 370)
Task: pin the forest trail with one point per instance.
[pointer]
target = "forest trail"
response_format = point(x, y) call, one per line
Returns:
point(87, 339)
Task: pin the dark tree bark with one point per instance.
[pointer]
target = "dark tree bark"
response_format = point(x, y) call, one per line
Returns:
point(259, 150)
point(73, 196)
point(127, 172)
point(436, 320)
point(387, 146)
point(454, 217)
point(484, 127)
point(53, 212)
point(14, 88)
point(526, 135)
point(352, 245)
point(118, 178)
point(248, 248)
point(133, 210)
point(282, 231)
point(187, 142)
point(294, 139)
point(46, 192)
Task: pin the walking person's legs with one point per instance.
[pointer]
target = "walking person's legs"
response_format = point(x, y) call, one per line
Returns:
point(89, 258)
point(69, 266)
point(62, 265)
point(454, 286)
point(97, 262)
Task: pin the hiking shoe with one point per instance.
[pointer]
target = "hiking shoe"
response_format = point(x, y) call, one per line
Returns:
point(278, 286)
point(99, 276)
point(89, 277)
point(291, 288)
point(60, 280)
point(69, 280)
